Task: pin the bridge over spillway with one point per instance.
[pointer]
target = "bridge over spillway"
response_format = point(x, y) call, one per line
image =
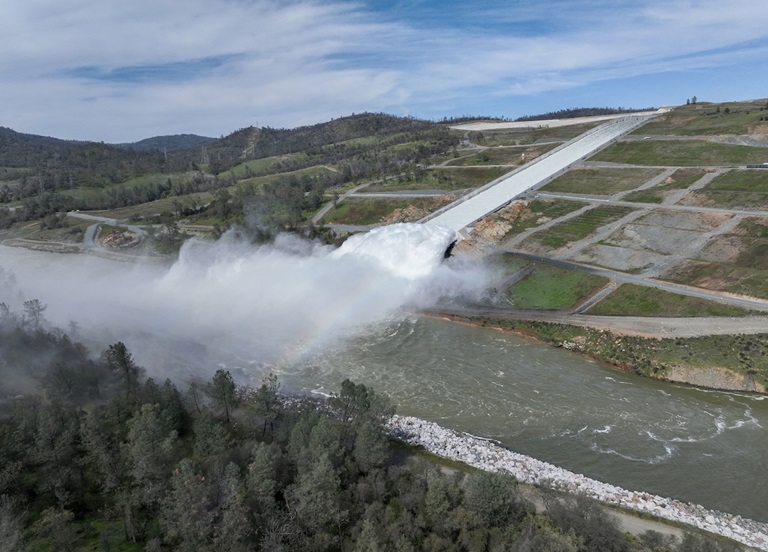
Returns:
point(476, 205)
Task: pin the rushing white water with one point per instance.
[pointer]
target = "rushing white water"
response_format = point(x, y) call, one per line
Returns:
point(410, 251)
point(265, 305)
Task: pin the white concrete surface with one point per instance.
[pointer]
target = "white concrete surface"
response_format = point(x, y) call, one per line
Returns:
point(550, 123)
point(476, 205)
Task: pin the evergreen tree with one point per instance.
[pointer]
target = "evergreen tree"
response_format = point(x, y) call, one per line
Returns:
point(233, 528)
point(150, 446)
point(261, 480)
point(222, 390)
point(186, 516)
point(495, 499)
point(103, 451)
point(150, 450)
point(315, 500)
point(121, 363)
point(266, 403)
point(368, 541)
point(211, 437)
point(371, 446)
point(11, 526)
point(55, 451)
point(57, 525)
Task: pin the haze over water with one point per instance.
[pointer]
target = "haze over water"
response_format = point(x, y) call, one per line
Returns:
point(316, 316)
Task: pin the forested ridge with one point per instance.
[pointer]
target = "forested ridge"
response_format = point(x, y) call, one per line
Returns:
point(167, 143)
point(258, 177)
point(94, 455)
point(582, 112)
point(43, 176)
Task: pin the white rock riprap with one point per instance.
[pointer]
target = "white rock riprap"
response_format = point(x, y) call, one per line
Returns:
point(487, 455)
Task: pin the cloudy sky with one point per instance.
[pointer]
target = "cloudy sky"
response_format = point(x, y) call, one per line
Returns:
point(120, 71)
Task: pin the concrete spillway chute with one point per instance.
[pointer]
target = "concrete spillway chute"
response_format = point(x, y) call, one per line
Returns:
point(467, 210)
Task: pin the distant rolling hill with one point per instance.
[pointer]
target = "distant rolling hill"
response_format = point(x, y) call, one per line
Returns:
point(169, 143)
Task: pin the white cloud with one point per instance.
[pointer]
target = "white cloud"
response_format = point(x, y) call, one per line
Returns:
point(290, 63)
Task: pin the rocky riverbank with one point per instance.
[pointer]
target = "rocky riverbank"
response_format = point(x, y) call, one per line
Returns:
point(487, 455)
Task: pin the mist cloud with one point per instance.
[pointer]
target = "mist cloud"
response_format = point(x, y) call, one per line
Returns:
point(245, 307)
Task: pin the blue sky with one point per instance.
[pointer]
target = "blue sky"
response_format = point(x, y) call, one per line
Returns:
point(123, 71)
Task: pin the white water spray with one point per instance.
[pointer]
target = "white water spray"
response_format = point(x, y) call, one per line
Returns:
point(233, 304)
point(409, 251)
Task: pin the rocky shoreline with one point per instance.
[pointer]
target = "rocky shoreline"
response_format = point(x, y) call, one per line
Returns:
point(487, 455)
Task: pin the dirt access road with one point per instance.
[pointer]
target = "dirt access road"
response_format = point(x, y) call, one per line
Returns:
point(656, 327)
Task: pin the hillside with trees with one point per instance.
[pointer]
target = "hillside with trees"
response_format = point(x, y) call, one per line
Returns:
point(574, 112)
point(40, 177)
point(96, 456)
point(167, 143)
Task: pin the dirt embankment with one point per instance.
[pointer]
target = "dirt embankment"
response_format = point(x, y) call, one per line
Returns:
point(713, 378)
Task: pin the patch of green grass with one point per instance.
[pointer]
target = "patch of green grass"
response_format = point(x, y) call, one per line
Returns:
point(246, 169)
point(636, 300)
point(522, 136)
point(684, 153)
point(431, 180)
point(343, 188)
point(370, 140)
point(553, 242)
point(448, 179)
point(645, 196)
point(540, 211)
point(71, 233)
point(749, 180)
point(438, 159)
point(92, 535)
point(153, 208)
point(364, 211)
point(680, 179)
point(87, 194)
point(753, 227)
point(727, 199)
point(408, 146)
point(201, 220)
point(579, 227)
point(707, 119)
point(722, 277)
point(600, 181)
point(107, 229)
point(268, 179)
point(754, 255)
point(512, 156)
point(554, 288)
point(506, 263)
point(553, 208)
point(471, 177)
